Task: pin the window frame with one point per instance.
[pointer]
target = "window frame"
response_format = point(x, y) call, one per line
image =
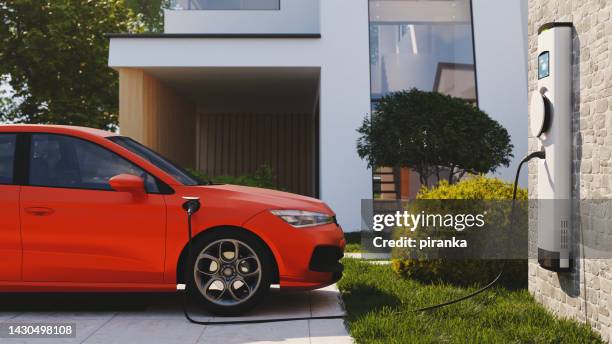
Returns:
point(15, 153)
point(23, 157)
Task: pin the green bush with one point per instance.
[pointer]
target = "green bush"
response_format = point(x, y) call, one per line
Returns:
point(263, 177)
point(481, 192)
point(353, 242)
point(431, 132)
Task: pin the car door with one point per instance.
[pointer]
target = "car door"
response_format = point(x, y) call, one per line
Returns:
point(76, 228)
point(10, 236)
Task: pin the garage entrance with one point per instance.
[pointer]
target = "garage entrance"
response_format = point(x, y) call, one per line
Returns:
point(228, 121)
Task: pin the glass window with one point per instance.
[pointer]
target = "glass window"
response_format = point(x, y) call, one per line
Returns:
point(162, 163)
point(271, 5)
point(68, 162)
point(425, 45)
point(7, 157)
point(422, 44)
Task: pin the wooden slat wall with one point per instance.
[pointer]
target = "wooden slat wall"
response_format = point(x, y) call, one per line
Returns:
point(151, 113)
point(131, 103)
point(234, 144)
point(171, 128)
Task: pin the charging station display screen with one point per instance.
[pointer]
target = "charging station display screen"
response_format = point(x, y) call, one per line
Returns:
point(543, 65)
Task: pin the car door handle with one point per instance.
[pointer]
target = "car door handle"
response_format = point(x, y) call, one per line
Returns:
point(39, 211)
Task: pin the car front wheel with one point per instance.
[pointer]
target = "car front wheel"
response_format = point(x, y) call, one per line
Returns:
point(230, 272)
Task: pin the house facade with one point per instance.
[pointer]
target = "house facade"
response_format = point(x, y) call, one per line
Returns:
point(234, 85)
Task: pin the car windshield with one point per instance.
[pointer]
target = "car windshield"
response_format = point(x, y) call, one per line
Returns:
point(179, 173)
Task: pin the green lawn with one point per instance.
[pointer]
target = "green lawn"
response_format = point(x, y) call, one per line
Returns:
point(379, 303)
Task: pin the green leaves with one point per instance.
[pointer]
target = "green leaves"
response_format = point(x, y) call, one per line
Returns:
point(477, 188)
point(150, 13)
point(434, 134)
point(56, 55)
point(263, 177)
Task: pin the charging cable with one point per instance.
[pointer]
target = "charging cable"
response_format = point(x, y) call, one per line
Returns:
point(539, 155)
point(192, 205)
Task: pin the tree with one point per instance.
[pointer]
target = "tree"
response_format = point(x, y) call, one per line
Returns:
point(55, 56)
point(151, 12)
point(433, 133)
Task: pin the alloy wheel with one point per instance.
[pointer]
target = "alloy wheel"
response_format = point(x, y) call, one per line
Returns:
point(227, 272)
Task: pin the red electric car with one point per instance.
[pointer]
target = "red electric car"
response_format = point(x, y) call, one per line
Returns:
point(87, 210)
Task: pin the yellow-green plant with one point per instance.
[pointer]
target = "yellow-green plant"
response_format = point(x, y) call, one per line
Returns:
point(473, 195)
point(476, 188)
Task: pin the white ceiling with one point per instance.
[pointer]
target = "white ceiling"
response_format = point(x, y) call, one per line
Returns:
point(245, 90)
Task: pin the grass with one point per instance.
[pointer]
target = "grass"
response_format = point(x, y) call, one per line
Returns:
point(378, 302)
point(353, 242)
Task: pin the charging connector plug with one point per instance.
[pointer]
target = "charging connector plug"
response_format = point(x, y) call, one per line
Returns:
point(191, 205)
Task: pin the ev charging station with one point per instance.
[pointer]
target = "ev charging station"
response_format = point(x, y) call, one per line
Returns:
point(551, 123)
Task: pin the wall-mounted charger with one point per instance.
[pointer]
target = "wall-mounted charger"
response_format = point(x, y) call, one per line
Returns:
point(551, 123)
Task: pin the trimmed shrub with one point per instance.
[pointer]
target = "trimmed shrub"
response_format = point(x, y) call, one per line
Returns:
point(263, 177)
point(482, 192)
point(477, 188)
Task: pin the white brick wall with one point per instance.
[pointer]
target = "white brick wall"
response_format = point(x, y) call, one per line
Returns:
point(564, 294)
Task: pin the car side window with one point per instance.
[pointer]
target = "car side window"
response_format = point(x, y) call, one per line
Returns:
point(69, 162)
point(7, 157)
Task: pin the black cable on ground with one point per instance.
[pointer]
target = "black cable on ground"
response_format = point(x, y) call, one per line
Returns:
point(539, 155)
point(192, 205)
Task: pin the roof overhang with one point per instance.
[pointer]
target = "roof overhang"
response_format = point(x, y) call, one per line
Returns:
point(217, 35)
point(215, 50)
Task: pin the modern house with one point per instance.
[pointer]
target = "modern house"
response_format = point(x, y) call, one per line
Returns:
point(232, 85)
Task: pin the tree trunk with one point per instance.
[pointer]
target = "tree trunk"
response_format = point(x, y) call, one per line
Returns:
point(461, 175)
point(451, 174)
point(423, 180)
point(423, 177)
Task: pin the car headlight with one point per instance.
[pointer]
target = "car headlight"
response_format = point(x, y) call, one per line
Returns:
point(301, 218)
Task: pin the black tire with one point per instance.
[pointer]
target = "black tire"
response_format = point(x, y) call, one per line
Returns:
point(266, 271)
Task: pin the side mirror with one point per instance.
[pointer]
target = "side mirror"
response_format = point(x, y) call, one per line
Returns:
point(128, 183)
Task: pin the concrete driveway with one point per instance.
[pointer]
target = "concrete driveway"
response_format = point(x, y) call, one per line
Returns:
point(158, 318)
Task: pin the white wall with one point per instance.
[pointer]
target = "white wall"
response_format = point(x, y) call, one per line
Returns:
point(500, 35)
point(343, 56)
point(345, 102)
point(294, 16)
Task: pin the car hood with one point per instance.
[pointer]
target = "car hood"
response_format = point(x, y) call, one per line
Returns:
point(270, 199)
